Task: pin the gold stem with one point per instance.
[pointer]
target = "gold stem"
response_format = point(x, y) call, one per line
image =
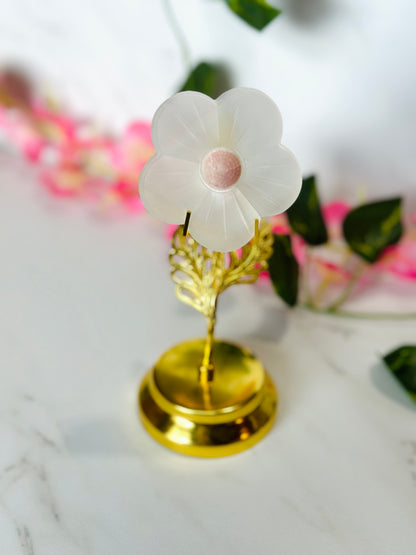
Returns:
point(206, 370)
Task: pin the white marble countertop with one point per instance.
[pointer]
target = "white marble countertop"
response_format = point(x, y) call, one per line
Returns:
point(86, 308)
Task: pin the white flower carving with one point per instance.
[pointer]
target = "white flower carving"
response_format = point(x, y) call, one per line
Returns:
point(221, 160)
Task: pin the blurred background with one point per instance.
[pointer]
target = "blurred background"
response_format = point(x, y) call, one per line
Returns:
point(341, 71)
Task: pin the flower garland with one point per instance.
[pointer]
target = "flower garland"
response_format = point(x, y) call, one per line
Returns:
point(332, 272)
point(73, 158)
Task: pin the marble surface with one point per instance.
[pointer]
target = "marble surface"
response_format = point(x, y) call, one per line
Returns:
point(86, 307)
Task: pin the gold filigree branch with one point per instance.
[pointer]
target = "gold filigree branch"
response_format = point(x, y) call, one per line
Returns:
point(201, 275)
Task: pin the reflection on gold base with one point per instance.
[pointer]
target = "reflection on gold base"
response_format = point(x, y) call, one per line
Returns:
point(207, 419)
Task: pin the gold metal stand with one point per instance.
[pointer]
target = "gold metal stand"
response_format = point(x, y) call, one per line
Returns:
point(209, 398)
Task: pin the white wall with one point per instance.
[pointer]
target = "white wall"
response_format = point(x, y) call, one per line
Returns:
point(342, 72)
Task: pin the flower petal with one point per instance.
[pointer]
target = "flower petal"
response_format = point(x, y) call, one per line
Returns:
point(223, 221)
point(133, 149)
point(186, 126)
point(249, 121)
point(272, 181)
point(169, 187)
point(400, 259)
point(334, 214)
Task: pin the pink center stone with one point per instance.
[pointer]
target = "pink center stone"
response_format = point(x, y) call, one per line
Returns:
point(221, 169)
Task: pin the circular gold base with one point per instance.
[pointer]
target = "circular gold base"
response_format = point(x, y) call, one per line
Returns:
point(229, 415)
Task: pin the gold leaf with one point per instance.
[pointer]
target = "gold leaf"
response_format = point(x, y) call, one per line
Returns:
point(200, 275)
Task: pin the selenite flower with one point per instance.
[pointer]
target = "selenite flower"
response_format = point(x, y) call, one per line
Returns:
point(222, 160)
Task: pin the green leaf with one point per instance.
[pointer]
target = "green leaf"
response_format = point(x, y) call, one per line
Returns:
point(257, 13)
point(305, 214)
point(402, 363)
point(203, 78)
point(284, 269)
point(370, 228)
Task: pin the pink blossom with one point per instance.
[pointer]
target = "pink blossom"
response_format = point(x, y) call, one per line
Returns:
point(129, 155)
point(22, 134)
point(133, 150)
point(126, 193)
point(170, 230)
point(280, 224)
point(327, 261)
point(331, 271)
point(299, 248)
point(65, 180)
point(400, 259)
point(334, 214)
point(330, 259)
point(56, 128)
